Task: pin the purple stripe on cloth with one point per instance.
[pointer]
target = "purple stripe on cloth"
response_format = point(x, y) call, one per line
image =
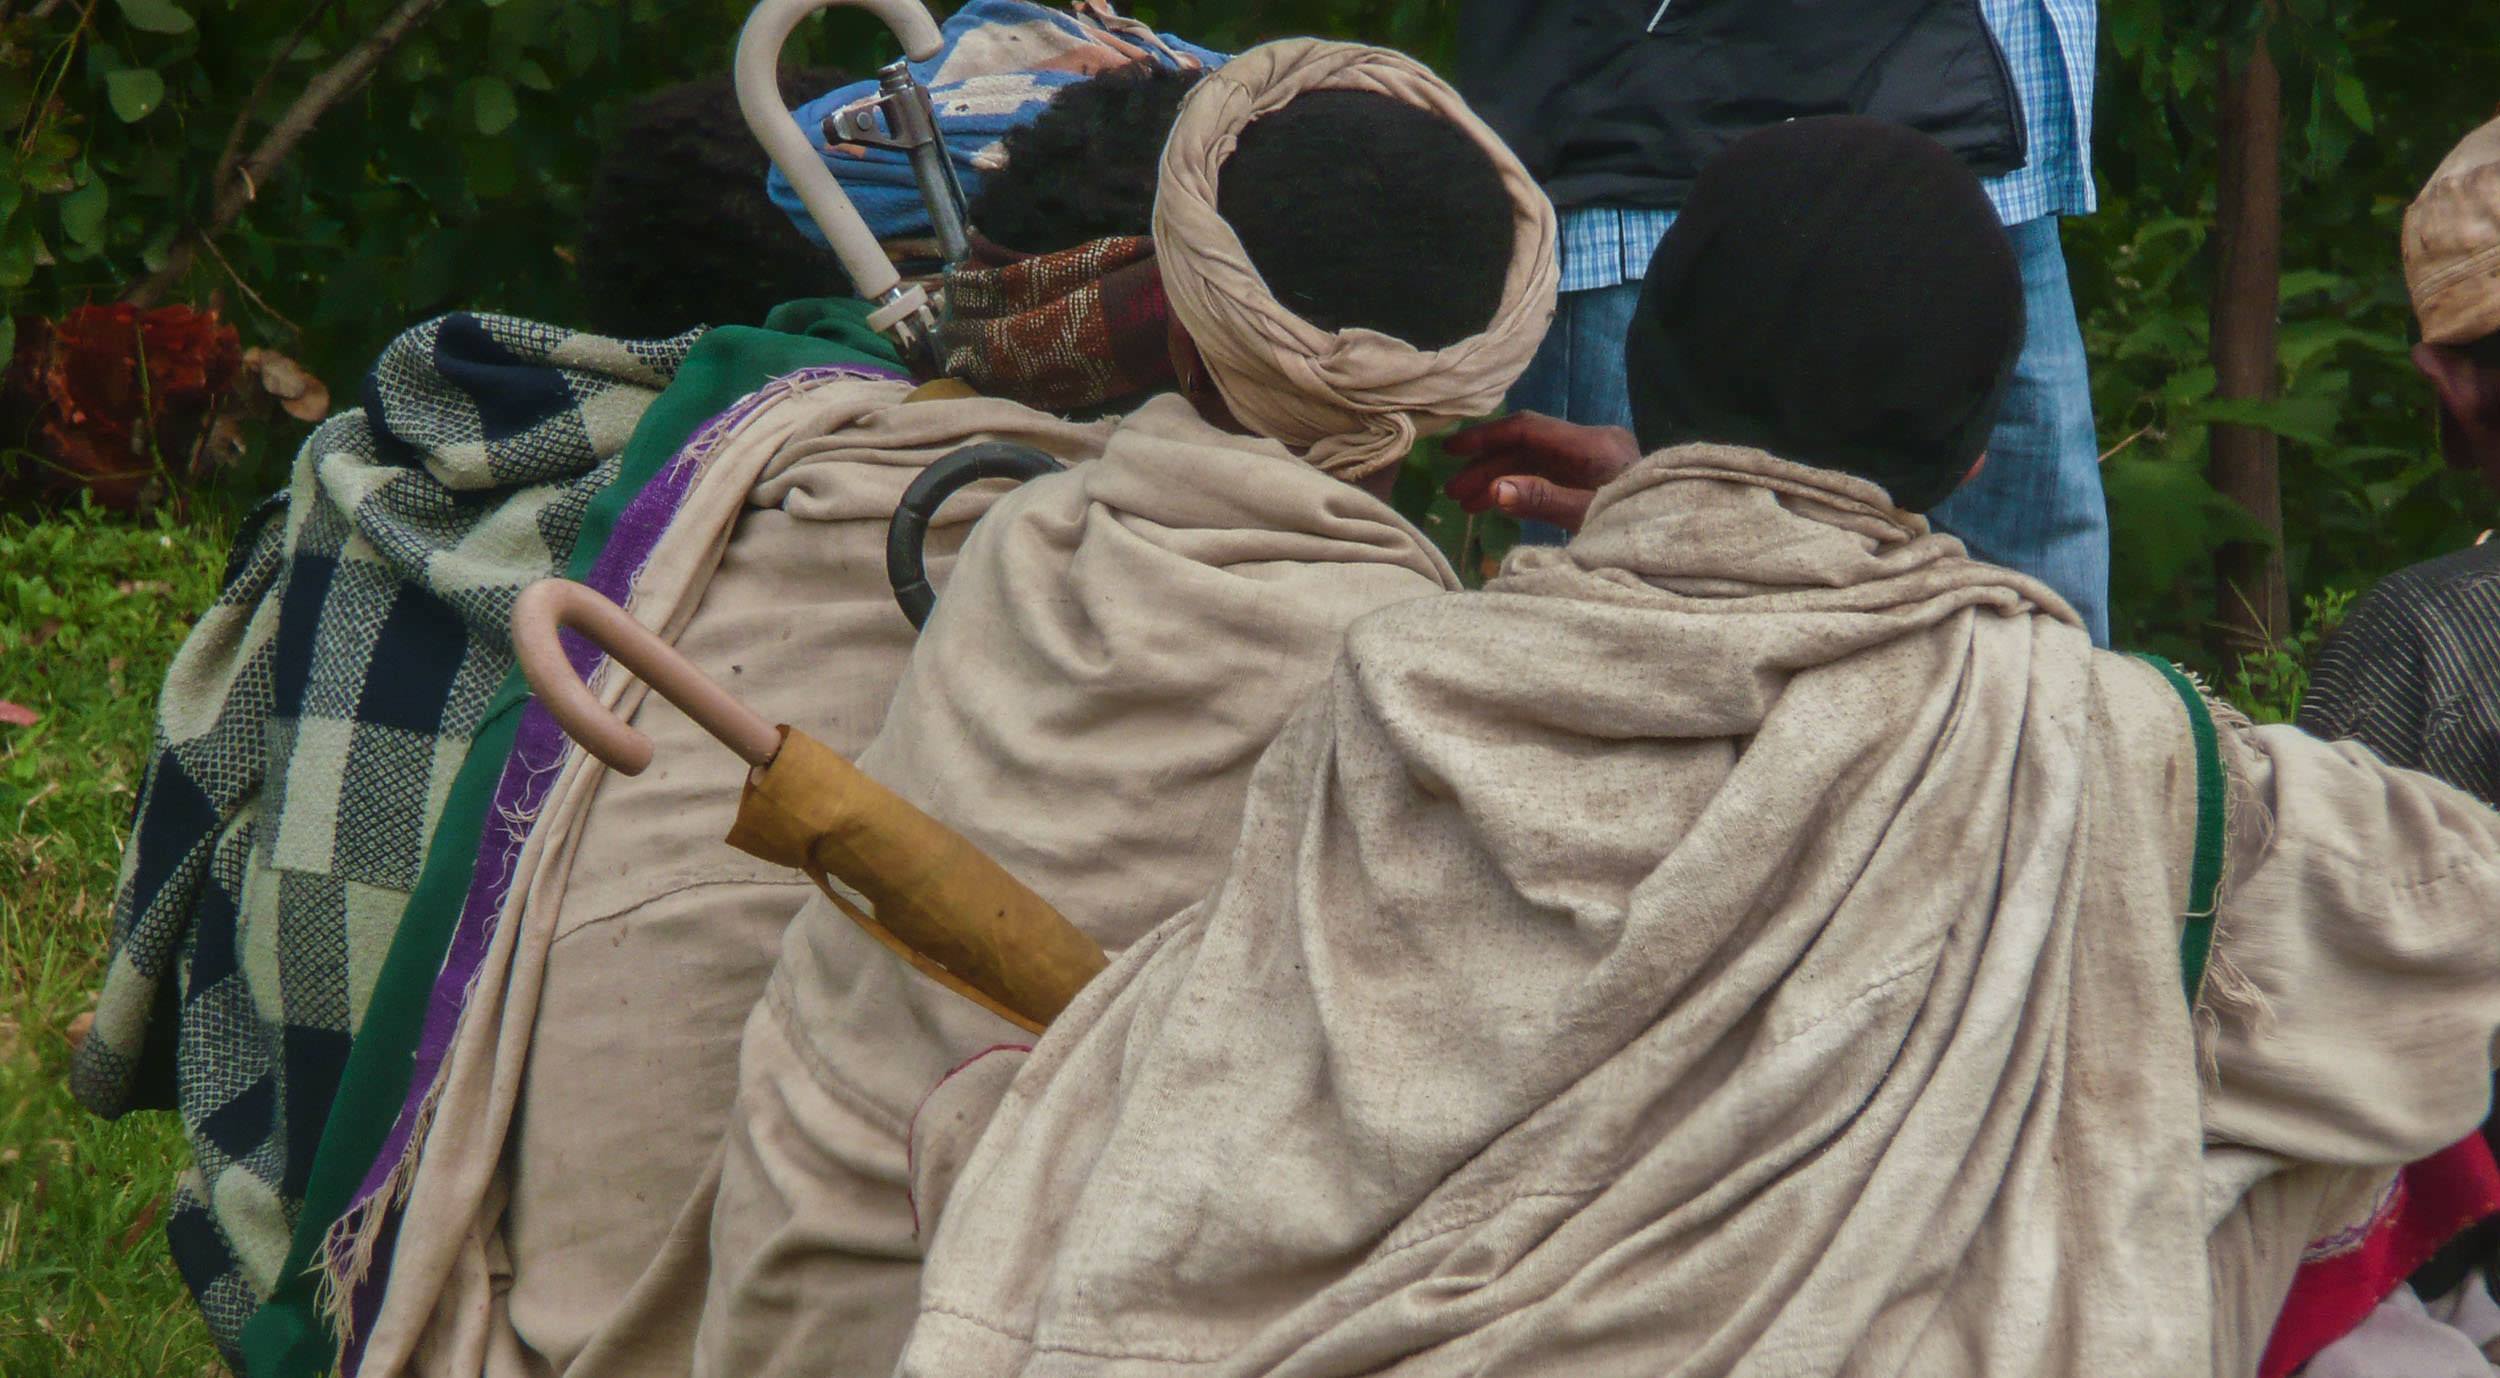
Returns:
point(538, 752)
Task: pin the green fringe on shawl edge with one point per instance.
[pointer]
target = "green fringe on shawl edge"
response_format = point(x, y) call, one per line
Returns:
point(2196, 938)
point(288, 1337)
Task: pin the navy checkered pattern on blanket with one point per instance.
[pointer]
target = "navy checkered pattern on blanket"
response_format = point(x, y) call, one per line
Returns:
point(306, 739)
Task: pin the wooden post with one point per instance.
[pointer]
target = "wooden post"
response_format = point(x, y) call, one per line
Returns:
point(2255, 602)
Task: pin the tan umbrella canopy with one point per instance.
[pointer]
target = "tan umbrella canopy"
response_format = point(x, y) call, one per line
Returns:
point(913, 883)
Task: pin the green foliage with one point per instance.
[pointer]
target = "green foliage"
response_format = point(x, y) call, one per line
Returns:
point(91, 609)
point(2373, 97)
point(454, 177)
point(1474, 546)
point(2269, 685)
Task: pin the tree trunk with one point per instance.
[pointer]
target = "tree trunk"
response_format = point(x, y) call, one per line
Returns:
point(2255, 603)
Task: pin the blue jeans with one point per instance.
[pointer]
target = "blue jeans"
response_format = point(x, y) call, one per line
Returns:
point(2036, 505)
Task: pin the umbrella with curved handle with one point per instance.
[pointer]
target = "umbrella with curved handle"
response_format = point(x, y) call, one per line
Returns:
point(930, 896)
point(903, 310)
point(907, 536)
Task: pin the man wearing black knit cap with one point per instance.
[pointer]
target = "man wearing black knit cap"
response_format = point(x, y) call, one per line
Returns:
point(1763, 321)
point(1616, 105)
point(1776, 942)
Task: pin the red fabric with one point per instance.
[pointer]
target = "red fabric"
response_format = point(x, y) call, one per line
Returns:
point(2344, 1277)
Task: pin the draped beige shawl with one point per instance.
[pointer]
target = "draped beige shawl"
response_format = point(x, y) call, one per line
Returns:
point(591, 1074)
point(1744, 942)
point(1114, 649)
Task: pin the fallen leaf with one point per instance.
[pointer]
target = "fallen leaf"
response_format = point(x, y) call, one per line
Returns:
point(224, 446)
point(139, 1228)
point(142, 586)
point(44, 631)
point(299, 393)
point(78, 1029)
point(18, 715)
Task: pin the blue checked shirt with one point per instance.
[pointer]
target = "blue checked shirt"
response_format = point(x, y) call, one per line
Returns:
point(2049, 46)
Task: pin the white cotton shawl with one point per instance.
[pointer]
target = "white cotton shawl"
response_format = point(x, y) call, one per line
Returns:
point(1115, 647)
point(1743, 942)
point(772, 580)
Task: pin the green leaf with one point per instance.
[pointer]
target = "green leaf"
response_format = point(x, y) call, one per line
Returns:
point(156, 16)
point(82, 213)
point(2309, 420)
point(2304, 342)
point(17, 259)
point(2193, 383)
point(2354, 100)
point(530, 74)
point(8, 336)
point(17, 94)
point(489, 168)
point(134, 92)
point(496, 108)
point(2165, 519)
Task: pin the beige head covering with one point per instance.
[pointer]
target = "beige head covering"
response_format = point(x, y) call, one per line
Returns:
point(2452, 243)
point(1353, 400)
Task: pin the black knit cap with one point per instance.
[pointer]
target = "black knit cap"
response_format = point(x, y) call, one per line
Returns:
point(1836, 291)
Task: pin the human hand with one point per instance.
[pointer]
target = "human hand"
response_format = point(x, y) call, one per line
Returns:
point(1537, 468)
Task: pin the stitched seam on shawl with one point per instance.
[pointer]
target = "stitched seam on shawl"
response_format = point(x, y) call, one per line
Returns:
point(2196, 937)
point(1041, 1346)
point(637, 905)
point(1909, 968)
point(821, 1071)
point(1490, 1209)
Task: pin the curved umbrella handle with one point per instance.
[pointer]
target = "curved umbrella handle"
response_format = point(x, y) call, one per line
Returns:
point(550, 604)
point(903, 311)
point(906, 537)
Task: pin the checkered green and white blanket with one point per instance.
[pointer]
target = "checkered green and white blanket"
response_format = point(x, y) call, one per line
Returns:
point(308, 733)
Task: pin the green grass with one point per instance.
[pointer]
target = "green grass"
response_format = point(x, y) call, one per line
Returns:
point(91, 608)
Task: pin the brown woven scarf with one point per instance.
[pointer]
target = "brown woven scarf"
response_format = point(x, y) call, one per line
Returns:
point(1069, 331)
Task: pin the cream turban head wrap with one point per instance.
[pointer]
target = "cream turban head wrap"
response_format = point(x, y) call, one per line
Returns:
point(1353, 400)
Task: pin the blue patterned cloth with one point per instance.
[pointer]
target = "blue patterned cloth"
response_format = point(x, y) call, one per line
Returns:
point(1002, 62)
point(2049, 47)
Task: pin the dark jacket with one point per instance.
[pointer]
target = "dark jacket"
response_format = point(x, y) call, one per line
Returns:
point(2414, 672)
point(1620, 102)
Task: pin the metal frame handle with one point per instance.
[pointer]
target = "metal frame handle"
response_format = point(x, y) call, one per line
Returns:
point(550, 604)
point(908, 535)
point(903, 311)
point(900, 117)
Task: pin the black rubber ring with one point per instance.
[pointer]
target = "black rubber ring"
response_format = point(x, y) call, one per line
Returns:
point(909, 531)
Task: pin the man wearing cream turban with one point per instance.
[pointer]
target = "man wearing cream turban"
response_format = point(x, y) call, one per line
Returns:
point(1353, 262)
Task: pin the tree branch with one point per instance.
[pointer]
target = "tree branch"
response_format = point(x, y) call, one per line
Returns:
point(230, 157)
point(333, 85)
